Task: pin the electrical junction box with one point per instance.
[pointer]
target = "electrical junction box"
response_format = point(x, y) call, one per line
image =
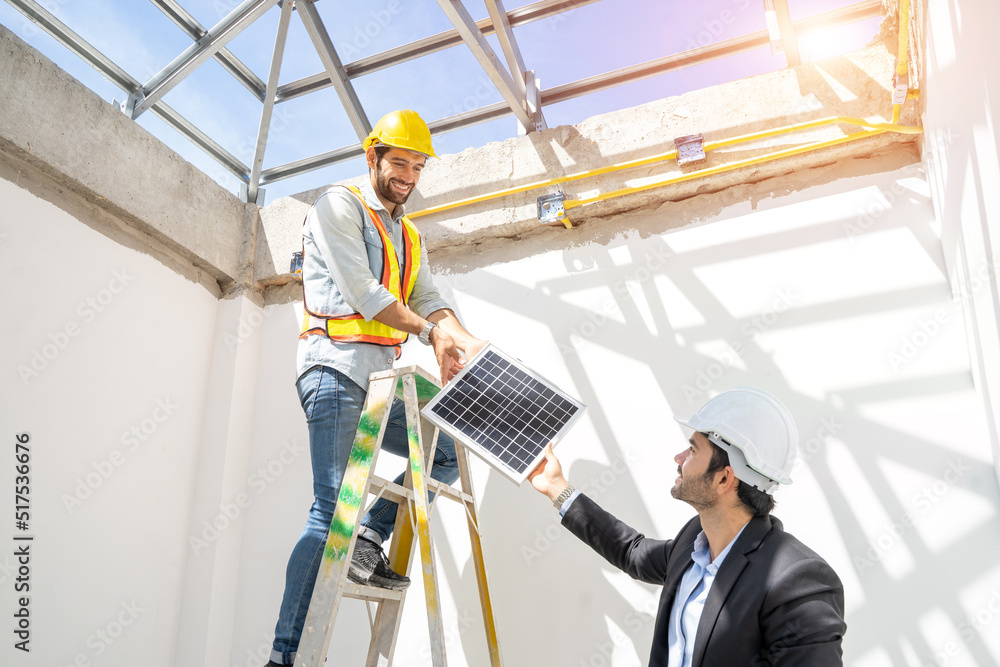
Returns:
point(690, 149)
point(551, 208)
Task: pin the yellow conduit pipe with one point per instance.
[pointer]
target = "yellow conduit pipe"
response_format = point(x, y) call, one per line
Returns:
point(902, 69)
point(669, 155)
point(770, 157)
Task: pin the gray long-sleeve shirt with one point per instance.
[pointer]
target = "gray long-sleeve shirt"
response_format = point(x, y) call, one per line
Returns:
point(335, 230)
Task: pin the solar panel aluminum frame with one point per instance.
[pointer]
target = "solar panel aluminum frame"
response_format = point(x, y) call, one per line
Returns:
point(490, 457)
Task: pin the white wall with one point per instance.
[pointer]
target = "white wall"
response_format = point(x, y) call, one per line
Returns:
point(962, 154)
point(834, 298)
point(104, 363)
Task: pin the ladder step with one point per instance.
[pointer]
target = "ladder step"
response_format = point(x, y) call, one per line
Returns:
point(372, 593)
point(398, 493)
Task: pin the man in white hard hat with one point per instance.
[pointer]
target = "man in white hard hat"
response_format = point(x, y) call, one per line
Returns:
point(738, 591)
point(366, 284)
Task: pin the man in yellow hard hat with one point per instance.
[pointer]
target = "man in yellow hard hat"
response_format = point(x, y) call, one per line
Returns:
point(366, 285)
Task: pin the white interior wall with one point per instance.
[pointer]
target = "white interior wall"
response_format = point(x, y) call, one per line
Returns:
point(835, 298)
point(962, 154)
point(105, 357)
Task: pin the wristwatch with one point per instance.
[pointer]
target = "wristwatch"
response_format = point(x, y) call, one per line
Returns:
point(425, 335)
point(564, 496)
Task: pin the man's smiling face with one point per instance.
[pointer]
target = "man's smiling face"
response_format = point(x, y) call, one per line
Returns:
point(397, 173)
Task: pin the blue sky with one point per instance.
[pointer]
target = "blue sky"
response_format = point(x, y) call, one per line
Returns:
point(590, 40)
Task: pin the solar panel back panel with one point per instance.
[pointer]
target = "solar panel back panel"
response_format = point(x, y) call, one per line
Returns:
point(503, 411)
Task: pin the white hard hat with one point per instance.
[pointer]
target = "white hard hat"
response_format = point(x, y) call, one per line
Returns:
point(757, 432)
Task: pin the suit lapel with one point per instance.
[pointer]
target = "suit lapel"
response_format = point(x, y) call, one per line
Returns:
point(736, 561)
point(680, 555)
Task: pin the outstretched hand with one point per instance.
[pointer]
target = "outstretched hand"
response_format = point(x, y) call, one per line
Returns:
point(448, 358)
point(548, 478)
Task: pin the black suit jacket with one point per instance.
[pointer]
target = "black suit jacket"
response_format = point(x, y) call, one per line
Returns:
point(773, 602)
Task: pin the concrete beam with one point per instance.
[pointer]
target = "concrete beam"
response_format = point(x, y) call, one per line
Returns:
point(66, 144)
point(852, 85)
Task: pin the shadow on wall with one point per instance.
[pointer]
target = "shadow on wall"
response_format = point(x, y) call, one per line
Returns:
point(961, 151)
point(888, 606)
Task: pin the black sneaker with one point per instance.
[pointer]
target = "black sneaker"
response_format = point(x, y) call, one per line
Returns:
point(370, 566)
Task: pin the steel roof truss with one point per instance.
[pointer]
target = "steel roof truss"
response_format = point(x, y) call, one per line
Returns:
point(483, 52)
point(253, 186)
point(334, 68)
point(196, 31)
point(119, 77)
point(196, 54)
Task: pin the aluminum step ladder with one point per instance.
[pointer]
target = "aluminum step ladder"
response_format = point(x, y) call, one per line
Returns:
point(415, 387)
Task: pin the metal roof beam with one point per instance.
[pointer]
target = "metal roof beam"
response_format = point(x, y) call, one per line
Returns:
point(782, 19)
point(483, 52)
point(310, 164)
point(119, 77)
point(186, 22)
point(850, 14)
point(196, 54)
point(704, 54)
point(422, 47)
point(253, 186)
point(334, 69)
point(201, 140)
point(72, 41)
point(515, 62)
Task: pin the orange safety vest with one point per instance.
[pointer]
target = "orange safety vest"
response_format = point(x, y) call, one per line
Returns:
point(353, 328)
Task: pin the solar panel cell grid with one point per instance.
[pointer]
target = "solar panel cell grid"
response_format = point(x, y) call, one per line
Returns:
point(504, 410)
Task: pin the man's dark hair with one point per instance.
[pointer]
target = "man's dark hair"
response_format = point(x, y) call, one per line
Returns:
point(380, 152)
point(760, 503)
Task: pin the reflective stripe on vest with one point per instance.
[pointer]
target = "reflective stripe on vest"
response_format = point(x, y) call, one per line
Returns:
point(353, 328)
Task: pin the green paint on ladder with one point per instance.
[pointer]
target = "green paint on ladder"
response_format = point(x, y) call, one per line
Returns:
point(415, 462)
point(352, 489)
point(340, 536)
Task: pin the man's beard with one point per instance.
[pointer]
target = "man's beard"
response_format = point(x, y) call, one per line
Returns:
point(695, 491)
point(384, 189)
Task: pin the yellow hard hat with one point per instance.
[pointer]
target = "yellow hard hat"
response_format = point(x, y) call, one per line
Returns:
point(401, 129)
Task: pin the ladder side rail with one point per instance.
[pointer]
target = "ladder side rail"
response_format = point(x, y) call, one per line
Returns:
point(435, 622)
point(332, 576)
point(485, 601)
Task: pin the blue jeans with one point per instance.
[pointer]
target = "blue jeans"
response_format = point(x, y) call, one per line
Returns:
point(333, 404)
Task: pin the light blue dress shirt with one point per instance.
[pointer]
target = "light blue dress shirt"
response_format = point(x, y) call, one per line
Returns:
point(334, 228)
point(689, 602)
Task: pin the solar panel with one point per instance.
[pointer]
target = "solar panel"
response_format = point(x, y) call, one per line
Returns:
point(503, 411)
